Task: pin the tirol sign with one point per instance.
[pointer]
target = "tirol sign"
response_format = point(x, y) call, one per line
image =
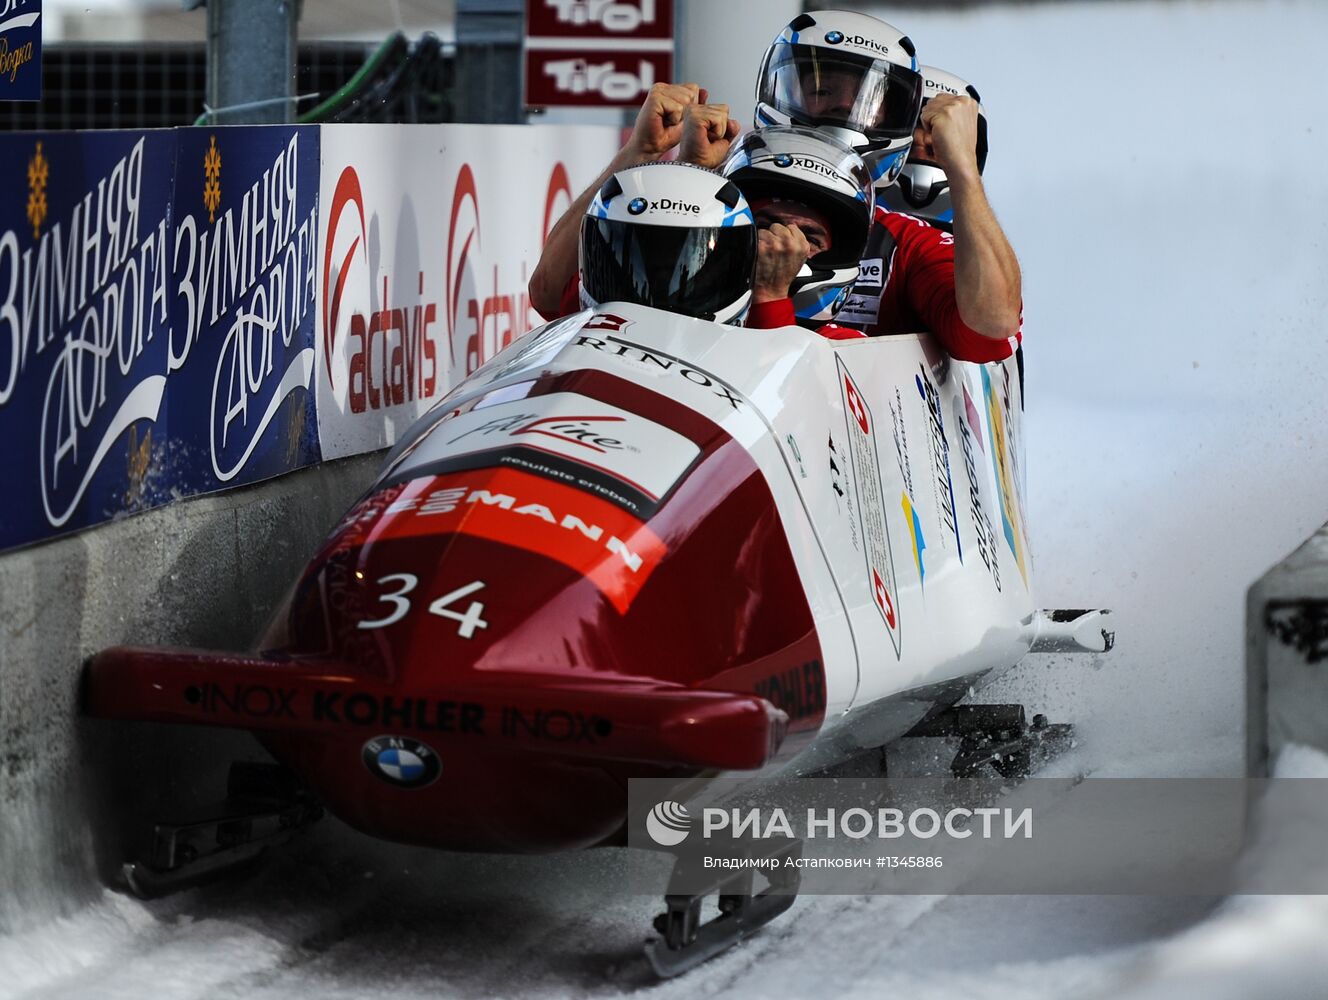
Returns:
point(596, 53)
point(600, 19)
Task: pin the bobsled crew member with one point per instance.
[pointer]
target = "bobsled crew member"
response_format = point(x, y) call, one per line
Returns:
point(857, 77)
point(672, 236)
point(923, 190)
point(657, 131)
point(812, 198)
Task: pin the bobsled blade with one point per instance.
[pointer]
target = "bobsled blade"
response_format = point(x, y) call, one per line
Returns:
point(685, 941)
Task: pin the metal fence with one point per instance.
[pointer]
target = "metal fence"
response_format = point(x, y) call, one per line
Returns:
point(159, 86)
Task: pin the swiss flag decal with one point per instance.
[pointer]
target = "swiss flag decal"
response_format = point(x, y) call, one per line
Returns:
point(855, 405)
point(882, 596)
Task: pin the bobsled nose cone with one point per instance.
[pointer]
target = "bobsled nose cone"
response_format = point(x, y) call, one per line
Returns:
point(517, 762)
point(442, 796)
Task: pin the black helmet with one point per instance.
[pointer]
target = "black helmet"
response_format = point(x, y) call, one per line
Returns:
point(806, 165)
point(673, 236)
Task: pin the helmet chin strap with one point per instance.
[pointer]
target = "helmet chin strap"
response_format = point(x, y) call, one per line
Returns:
point(920, 184)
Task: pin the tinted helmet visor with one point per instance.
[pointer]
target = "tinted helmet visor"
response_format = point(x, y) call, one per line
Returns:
point(819, 86)
point(694, 272)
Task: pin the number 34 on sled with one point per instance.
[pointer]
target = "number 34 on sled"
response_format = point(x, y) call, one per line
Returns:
point(634, 545)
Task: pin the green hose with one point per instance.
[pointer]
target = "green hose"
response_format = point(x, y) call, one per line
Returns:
point(347, 91)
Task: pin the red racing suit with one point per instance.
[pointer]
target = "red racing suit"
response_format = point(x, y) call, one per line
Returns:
point(906, 286)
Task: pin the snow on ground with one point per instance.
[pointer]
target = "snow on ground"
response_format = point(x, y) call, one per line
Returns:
point(1163, 183)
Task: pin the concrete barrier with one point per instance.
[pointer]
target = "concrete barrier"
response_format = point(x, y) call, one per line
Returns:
point(1286, 655)
point(205, 572)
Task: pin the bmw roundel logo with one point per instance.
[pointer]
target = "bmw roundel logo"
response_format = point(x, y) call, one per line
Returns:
point(636, 206)
point(401, 761)
point(783, 160)
point(834, 37)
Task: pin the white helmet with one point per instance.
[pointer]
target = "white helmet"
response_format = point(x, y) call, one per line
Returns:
point(797, 164)
point(923, 189)
point(673, 236)
point(850, 74)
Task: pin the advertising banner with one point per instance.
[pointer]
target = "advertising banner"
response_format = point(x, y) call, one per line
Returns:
point(84, 327)
point(428, 238)
point(600, 19)
point(20, 50)
point(243, 296)
point(596, 53)
point(187, 310)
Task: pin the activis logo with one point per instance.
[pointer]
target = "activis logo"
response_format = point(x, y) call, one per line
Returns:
point(377, 354)
point(556, 200)
point(484, 316)
point(669, 823)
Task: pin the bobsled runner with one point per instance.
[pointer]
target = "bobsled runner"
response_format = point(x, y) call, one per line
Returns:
point(635, 545)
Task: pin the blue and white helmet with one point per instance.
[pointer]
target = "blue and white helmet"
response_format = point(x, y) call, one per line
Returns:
point(923, 189)
point(849, 74)
point(807, 166)
point(673, 236)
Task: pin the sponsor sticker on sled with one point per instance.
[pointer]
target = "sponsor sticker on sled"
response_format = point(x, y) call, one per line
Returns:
point(401, 761)
point(871, 273)
point(568, 429)
point(595, 537)
point(879, 558)
point(860, 309)
point(1001, 462)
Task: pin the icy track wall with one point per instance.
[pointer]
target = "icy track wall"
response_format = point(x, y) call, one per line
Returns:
point(190, 311)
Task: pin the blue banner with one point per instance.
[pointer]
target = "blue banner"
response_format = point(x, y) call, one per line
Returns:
point(157, 296)
point(242, 309)
point(84, 299)
point(20, 50)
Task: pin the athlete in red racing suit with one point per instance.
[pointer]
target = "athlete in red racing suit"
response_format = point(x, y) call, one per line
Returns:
point(906, 286)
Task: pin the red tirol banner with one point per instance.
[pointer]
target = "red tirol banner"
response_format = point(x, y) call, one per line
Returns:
point(596, 53)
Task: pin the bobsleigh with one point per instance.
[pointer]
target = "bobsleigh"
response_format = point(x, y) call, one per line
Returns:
point(633, 545)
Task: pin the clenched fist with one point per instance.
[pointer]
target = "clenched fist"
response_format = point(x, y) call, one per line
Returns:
point(707, 133)
point(947, 135)
point(780, 253)
point(659, 123)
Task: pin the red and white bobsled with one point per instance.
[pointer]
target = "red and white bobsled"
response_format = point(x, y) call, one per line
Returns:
point(635, 545)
